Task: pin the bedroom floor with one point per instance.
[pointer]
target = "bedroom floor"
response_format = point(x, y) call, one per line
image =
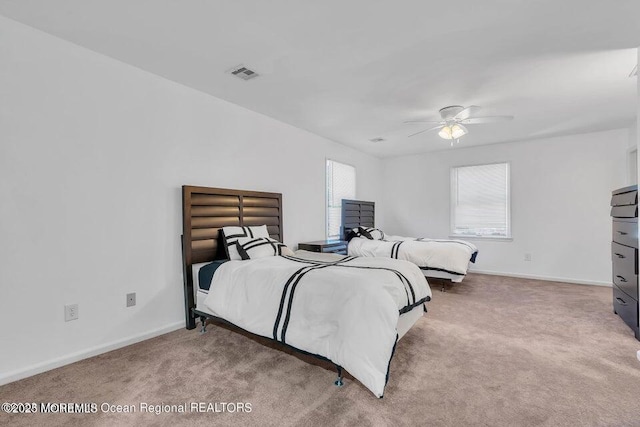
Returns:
point(491, 351)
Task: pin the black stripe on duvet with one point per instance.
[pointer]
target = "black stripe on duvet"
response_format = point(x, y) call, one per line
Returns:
point(414, 305)
point(395, 248)
point(297, 276)
point(295, 279)
point(283, 299)
point(444, 270)
point(314, 262)
point(338, 263)
point(287, 317)
point(405, 282)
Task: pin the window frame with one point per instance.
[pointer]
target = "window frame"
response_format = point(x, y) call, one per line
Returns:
point(326, 198)
point(453, 191)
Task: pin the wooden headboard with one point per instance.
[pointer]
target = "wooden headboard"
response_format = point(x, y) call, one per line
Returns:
point(205, 211)
point(357, 213)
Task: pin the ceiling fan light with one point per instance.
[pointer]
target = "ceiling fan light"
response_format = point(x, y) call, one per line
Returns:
point(458, 131)
point(445, 133)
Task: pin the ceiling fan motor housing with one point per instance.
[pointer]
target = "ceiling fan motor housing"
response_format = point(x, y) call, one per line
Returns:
point(448, 113)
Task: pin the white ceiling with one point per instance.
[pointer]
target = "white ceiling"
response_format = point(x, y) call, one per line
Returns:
point(352, 70)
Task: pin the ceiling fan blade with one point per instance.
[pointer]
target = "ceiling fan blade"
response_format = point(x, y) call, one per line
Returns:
point(423, 131)
point(487, 119)
point(467, 112)
point(423, 121)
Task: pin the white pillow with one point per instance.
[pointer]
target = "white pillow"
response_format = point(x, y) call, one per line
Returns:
point(231, 234)
point(260, 247)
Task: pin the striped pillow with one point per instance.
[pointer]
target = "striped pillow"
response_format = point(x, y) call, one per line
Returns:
point(260, 247)
point(370, 233)
point(230, 236)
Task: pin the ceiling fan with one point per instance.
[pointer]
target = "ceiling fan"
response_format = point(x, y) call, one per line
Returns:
point(453, 120)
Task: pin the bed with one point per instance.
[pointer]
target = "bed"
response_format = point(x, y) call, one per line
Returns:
point(346, 310)
point(437, 258)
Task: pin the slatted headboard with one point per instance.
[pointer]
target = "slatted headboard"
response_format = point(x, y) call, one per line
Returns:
point(357, 213)
point(205, 211)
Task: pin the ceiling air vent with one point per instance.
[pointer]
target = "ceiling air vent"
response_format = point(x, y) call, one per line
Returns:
point(377, 139)
point(243, 72)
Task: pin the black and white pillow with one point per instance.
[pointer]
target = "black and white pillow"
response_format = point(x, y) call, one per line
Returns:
point(260, 247)
point(352, 234)
point(360, 232)
point(230, 236)
point(370, 233)
point(375, 233)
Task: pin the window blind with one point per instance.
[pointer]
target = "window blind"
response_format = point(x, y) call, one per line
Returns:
point(480, 200)
point(341, 184)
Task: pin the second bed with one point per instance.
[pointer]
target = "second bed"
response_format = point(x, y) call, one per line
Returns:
point(437, 258)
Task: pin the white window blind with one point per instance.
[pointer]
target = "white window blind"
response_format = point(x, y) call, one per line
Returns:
point(480, 201)
point(341, 184)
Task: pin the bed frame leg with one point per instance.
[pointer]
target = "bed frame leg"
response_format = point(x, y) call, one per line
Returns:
point(442, 289)
point(203, 323)
point(339, 382)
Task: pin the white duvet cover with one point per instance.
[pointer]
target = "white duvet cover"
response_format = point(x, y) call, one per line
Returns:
point(342, 308)
point(450, 256)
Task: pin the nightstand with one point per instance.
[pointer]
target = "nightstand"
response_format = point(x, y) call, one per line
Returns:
point(325, 246)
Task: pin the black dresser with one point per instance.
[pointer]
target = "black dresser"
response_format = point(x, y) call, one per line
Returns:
point(624, 255)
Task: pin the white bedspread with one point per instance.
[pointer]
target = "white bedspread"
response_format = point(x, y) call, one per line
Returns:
point(450, 256)
point(343, 308)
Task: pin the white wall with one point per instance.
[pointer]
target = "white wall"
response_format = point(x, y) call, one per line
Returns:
point(632, 155)
point(560, 189)
point(92, 156)
point(637, 130)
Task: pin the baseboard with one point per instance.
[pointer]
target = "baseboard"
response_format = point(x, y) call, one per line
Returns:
point(546, 278)
point(85, 354)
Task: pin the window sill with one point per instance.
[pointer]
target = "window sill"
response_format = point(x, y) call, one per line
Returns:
point(496, 238)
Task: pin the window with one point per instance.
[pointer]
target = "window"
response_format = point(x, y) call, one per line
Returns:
point(480, 201)
point(341, 184)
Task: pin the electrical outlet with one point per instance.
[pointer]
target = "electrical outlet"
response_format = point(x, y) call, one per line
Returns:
point(70, 312)
point(527, 257)
point(131, 299)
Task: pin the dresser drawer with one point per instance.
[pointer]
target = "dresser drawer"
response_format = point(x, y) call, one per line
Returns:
point(625, 233)
point(627, 198)
point(625, 268)
point(628, 211)
point(626, 307)
point(334, 249)
point(341, 250)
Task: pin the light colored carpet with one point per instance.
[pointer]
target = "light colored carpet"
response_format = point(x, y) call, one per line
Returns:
point(492, 351)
